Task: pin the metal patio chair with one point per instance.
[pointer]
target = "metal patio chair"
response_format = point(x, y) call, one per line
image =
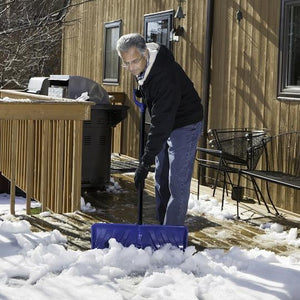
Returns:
point(281, 163)
point(232, 150)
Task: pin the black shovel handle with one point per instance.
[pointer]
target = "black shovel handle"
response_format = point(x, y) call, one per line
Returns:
point(142, 108)
point(141, 189)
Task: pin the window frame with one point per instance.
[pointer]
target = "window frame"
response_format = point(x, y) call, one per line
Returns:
point(107, 26)
point(285, 91)
point(168, 14)
point(157, 16)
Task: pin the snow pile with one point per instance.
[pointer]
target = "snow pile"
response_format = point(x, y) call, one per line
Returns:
point(114, 187)
point(38, 266)
point(208, 205)
point(275, 232)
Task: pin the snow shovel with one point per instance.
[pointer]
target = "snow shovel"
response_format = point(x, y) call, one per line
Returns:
point(139, 235)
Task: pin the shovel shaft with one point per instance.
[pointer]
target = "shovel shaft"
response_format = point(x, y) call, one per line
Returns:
point(142, 134)
point(142, 144)
point(140, 207)
point(142, 108)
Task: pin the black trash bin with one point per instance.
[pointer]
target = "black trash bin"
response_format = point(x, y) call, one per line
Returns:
point(96, 158)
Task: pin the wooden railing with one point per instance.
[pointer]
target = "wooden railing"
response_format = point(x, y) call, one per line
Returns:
point(41, 148)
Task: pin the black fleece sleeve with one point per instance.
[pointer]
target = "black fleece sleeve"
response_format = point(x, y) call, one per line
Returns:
point(165, 94)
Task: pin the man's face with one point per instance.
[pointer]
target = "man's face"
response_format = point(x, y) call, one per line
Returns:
point(134, 61)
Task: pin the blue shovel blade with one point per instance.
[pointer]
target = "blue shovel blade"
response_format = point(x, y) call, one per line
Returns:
point(141, 236)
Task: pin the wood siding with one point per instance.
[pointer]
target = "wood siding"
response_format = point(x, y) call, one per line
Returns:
point(244, 64)
point(244, 77)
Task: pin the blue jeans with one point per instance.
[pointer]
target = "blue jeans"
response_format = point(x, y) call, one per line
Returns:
point(173, 173)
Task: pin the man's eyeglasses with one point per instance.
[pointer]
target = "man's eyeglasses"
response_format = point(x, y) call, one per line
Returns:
point(134, 62)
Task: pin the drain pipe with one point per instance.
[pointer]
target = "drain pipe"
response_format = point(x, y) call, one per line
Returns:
point(206, 77)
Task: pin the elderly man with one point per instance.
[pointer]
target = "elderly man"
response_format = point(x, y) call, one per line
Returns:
point(176, 122)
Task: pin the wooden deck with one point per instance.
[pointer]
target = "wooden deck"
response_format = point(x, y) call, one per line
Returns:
point(41, 148)
point(205, 231)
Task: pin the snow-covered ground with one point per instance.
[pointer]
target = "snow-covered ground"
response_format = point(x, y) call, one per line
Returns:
point(37, 265)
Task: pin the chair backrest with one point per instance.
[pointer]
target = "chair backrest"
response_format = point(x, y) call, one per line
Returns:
point(283, 153)
point(239, 146)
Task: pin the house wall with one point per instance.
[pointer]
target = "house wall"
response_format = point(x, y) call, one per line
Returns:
point(244, 77)
point(244, 64)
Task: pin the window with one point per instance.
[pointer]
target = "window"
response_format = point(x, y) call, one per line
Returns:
point(158, 27)
point(111, 60)
point(289, 51)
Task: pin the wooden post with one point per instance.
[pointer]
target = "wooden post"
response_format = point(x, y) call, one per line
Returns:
point(13, 167)
point(44, 164)
point(76, 173)
point(30, 165)
point(60, 167)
